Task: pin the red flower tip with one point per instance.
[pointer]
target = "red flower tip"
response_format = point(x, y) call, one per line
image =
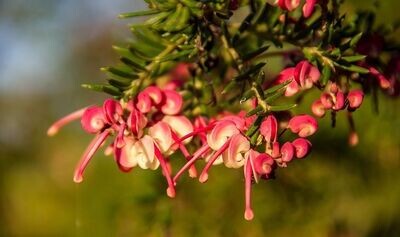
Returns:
point(93, 120)
point(303, 125)
point(112, 111)
point(172, 103)
point(269, 128)
point(203, 177)
point(353, 139)
point(302, 147)
point(248, 214)
point(355, 98)
point(318, 108)
point(327, 100)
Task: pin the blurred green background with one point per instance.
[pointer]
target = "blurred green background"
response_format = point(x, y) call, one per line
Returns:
point(49, 47)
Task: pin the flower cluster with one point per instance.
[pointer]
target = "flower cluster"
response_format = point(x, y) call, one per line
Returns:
point(145, 129)
point(149, 128)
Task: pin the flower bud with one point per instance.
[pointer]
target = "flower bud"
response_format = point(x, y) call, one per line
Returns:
point(318, 108)
point(269, 128)
point(172, 103)
point(303, 125)
point(355, 98)
point(264, 164)
point(143, 103)
point(302, 147)
point(287, 152)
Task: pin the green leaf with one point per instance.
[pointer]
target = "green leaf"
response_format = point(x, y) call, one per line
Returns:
point(137, 65)
point(273, 89)
point(118, 72)
point(139, 13)
point(254, 69)
point(255, 53)
point(353, 68)
point(354, 58)
point(274, 96)
point(355, 39)
point(326, 74)
point(258, 109)
point(103, 88)
point(282, 107)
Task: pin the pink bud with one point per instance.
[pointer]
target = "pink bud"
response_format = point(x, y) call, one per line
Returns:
point(173, 102)
point(302, 147)
point(353, 138)
point(327, 100)
point(303, 125)
point(269, 128)
point(306, 74)
point(355, 98)
point(275, 150)
point(264, 164)
point(93, 120)
point(308, 8)
point(339, 103)
point(143, 103)
point(289, 5)
point(383, 82)
point(112, 111)
point(154, 93)
point(287, 152)
point(318, 108)
point(285, 75)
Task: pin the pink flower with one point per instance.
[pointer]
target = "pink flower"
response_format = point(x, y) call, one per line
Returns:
point(286, 75)
point(318, 108)
point(302, 147)
point(288, 5)
point(355, 99)
point(303, 125)
point(306, 74)
point(308, 8)
point(302, 77)
point(172, 103)
point(93, 119)
point(287, 152)
point(55, 127)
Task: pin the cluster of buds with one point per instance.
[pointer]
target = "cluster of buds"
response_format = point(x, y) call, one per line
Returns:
point(301, 77)
point(335, 99)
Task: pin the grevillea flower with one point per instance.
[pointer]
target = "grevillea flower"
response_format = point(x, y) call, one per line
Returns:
point(302, 147)
point(303, 125)
point(302, 77)
point(306, 74)
point(355, 99)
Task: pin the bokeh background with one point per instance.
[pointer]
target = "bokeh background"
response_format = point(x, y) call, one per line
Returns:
point(49, 47)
